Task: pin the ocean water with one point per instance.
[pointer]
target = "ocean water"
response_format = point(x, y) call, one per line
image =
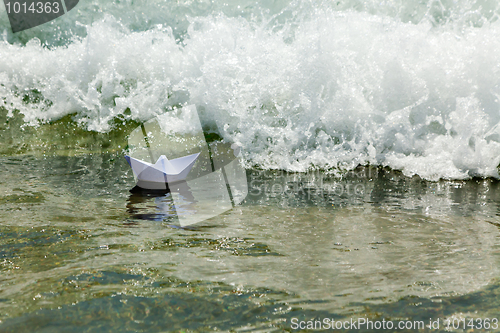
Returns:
point(369, 130)
point(300, 85)
point(80, 253)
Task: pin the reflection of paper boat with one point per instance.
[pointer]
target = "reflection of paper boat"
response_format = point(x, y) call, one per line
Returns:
point(164, 171)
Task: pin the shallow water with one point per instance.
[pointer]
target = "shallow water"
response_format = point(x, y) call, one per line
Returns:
point(82, 253)
point(410, 89)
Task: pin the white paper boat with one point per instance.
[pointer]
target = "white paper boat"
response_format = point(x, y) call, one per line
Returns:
point(157, 176)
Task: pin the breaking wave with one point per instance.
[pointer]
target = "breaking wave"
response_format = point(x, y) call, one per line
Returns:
point(301, 85)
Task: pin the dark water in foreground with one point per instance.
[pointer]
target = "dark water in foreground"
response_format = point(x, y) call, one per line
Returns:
point(79, 253)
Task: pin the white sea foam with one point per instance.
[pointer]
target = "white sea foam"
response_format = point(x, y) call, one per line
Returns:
point(299, 86)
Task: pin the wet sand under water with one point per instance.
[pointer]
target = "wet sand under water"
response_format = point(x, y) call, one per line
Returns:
point(79, 252)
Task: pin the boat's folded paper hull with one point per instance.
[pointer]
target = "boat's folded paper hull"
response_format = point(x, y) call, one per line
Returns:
point(157, 176)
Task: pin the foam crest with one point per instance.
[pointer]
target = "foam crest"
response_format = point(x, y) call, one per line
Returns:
point(301, 86)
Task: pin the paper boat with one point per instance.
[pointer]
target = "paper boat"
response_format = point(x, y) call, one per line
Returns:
point(157, 176)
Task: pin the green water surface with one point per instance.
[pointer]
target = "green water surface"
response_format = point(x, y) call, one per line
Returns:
point(80, 253)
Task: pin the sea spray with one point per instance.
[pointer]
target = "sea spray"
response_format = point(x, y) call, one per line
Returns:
point(300, 85)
